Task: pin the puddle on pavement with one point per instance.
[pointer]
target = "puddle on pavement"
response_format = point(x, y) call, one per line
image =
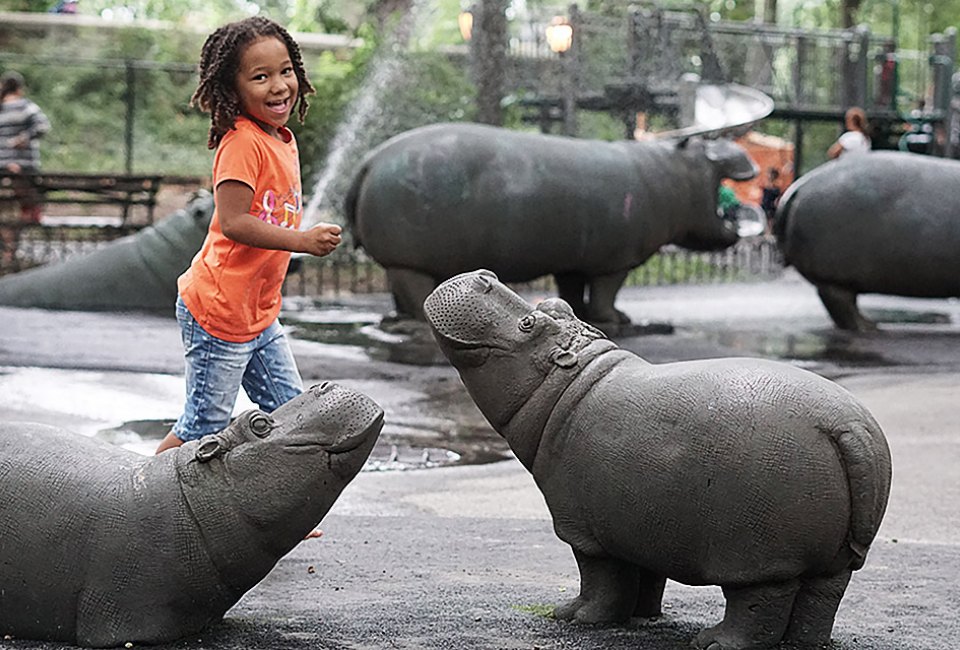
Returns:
point(804, 347)
point(413, 345)
point(844, 349)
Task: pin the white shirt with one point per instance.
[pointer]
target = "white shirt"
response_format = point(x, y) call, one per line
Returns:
point(854, 142)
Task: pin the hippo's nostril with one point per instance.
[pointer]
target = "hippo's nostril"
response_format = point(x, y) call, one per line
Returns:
point(323, 387)
point(483, 283)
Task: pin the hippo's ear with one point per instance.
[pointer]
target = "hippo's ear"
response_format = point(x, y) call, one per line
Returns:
point(556, 308)
point(564, 358)
point(210, 447)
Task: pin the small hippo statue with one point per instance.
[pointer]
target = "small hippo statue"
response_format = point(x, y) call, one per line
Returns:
point(762, 478)
point(101, 547)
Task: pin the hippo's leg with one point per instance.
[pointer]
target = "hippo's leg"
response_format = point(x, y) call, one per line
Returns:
point(570, 288)
point(608, 591)
point(841, 304)
point(815, 609)
point(755, 617)
point(603, 294)
point(649, 595)
point(409, 288)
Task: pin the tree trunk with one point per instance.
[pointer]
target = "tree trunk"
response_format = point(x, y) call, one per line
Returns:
point(770, 11)
point(849, 10)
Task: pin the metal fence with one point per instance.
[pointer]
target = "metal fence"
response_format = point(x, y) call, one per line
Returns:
point(633, 57)
point(349, 271)
point(751, 259)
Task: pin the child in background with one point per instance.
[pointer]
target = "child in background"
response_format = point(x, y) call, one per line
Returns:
point(251, 80)
point(856, 138)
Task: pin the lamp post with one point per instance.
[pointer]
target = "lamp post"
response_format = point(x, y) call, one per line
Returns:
point(560, 34)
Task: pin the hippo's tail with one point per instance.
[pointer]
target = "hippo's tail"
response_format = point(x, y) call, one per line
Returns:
point(782, 217)
point(866, 460)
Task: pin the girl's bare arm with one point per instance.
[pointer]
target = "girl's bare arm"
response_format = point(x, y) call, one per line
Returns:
point(233, 200)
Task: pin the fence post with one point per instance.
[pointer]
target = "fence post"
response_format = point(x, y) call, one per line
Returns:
point(942, 61)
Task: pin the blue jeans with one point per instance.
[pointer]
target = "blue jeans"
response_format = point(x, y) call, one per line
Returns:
point(215, 370)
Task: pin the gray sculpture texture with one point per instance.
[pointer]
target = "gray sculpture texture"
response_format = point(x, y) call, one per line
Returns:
point(102, 546)
point(449, 198)
point(882, 223)
point(757, 476)
point(137, 272)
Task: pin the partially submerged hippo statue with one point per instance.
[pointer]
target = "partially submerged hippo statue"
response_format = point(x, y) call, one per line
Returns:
point(448, 198)
point(136, 272)
point(884, 223)
point(103, 547)
point(757, 476)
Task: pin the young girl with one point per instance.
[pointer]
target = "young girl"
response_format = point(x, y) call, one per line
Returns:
point(856, 138)
point(251, 80)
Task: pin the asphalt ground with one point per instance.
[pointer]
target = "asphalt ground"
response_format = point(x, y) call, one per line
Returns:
point(464, 556)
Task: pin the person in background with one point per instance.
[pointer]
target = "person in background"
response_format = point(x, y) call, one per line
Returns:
point(252, 80)
point(727, 202)
point(65, 7)
point(856, 138)
point(22, 124)
point(771, 196)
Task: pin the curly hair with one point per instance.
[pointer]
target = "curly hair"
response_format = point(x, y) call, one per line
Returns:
point(216, 92)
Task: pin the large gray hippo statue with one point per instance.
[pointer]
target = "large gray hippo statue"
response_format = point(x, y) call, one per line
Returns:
point(881, 223)
point(449, 198)
point(100, 546)
point(757, 476)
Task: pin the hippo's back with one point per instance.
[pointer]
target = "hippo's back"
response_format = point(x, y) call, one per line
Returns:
point(57, 490)
point(884, 222)
point(725, 457)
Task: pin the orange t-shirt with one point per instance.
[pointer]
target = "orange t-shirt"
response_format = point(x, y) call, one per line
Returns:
point(231, 289)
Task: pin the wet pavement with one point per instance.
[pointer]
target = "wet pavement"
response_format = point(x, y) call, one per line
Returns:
point(463, 554)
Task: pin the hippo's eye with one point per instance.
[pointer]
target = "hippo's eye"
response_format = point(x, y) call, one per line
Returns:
point(261, 425)
point(527, 322)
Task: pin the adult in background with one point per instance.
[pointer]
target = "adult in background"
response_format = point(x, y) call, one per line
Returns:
point(22, 124)
point(856, 138)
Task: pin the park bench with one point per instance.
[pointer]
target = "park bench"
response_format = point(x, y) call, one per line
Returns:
point(121, 190)
point(57, 235)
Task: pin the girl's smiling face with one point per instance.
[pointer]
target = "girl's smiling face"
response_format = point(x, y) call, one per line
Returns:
point(267, 83)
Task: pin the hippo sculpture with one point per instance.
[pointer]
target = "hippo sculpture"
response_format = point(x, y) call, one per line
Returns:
point(882, 223)
point(103, 547)
point(760, 477)
point(448, 198)
point(136, 272)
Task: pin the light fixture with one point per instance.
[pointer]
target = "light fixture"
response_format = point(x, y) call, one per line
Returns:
point(465, 21)
point(559, 34)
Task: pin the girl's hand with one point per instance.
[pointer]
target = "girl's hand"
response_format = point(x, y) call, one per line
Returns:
point(322, 239)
